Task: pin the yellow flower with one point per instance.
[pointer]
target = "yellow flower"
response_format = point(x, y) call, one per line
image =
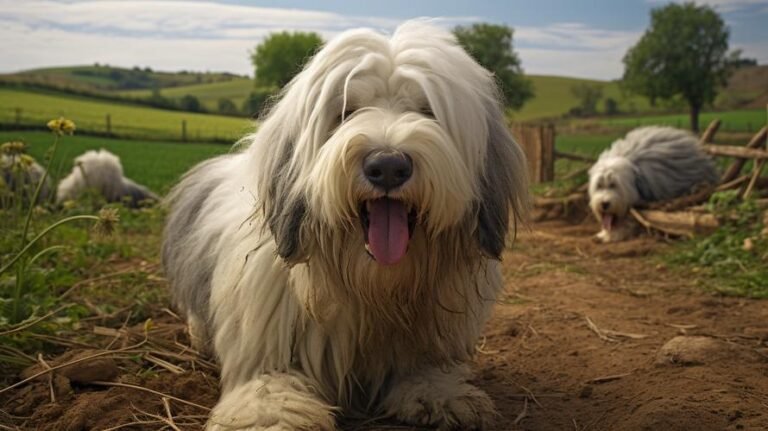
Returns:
point(26, 161)
point(62, 126)
point(13, 148)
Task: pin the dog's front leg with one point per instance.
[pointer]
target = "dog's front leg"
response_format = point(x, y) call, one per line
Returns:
point(274, 402)
point(441, 398)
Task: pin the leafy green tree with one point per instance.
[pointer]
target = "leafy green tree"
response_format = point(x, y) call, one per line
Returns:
point(611, 106)
point(491, 46)
point(190, 103)
point(257, 101)
point(282, 55)
point(588, 96)
point(227, 107)
point(684, 52)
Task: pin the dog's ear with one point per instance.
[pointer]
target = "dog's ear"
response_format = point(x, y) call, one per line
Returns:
point(284, 207)
point(504, 187)
point(285, 223)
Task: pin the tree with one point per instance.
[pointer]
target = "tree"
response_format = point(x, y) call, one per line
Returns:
point(227, 107)
point(190, 103)
point(491, 46)
point(588, 95)
point(282, 55)
point(256, 101)
point(684, 52)
point(611, 106)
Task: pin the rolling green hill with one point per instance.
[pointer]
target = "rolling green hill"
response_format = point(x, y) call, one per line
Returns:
point(37, 107)
point(553, 95)
point(554, 98)
point(235, 90)
point(747, 88)
point(107, 78)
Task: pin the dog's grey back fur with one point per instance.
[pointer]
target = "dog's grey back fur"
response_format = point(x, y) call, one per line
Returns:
point(669, 162)
point(189, 269)
point(136, 194)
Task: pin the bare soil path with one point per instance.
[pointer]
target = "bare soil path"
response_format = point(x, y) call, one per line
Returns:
point(586, 329)
point(586, 337)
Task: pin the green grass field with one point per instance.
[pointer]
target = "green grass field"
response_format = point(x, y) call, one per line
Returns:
point(158, 165)
point(235, 90)
point(589, 145)
point(732, 121)
point(127, 120)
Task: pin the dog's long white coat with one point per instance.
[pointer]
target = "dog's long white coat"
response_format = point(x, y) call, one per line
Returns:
point(265, 253)
point(101, 171)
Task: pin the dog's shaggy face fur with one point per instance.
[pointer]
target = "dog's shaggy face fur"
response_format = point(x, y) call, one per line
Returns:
point(649, 164)
point(319, 284)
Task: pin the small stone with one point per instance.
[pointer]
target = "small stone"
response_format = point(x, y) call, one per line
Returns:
point(586, 391)
point(699, 350)
point(684, 350)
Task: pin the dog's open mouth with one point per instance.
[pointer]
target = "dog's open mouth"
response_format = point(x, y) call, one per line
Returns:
point(387, 227)
point(609, 221)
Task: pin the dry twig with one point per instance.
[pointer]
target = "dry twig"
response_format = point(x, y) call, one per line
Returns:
point(598, 331)
point(523, 413)
point(24, 326)
point(604, 379)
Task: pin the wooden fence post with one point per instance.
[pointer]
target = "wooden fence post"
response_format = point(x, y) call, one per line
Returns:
point(184, 130)
point(18, 116)
point(109, 124)
point(538, 143)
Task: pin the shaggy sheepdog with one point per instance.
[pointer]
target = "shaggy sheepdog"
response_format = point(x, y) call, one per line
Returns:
point(649, 164)
point(344, 260)
point(102, 172)
point(19, 176)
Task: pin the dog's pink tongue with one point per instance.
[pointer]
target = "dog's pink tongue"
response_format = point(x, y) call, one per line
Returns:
point(388, 230)
point(607, 222)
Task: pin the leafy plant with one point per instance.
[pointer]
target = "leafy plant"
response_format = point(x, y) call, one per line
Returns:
point(22, 280)
point(733, 259)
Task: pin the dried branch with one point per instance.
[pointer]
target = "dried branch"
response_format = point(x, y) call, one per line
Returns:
point(757, 141)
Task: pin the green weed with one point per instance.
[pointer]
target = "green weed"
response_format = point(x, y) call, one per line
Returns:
point(733, 259)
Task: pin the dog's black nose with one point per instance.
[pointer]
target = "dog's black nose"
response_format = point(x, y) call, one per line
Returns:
point(605, 205)
point(387, 169)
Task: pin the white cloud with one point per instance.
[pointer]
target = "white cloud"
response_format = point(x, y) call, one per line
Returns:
point(202, 35)
point(575, 36)
point(573, 49)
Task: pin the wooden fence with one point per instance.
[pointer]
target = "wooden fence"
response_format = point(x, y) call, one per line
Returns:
point(538, 143)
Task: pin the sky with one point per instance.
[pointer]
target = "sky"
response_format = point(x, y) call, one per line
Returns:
point(553, 37)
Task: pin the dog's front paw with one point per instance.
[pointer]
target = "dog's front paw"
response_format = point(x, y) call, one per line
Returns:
point(272, 403)
point(440, 399)
point(602, 237)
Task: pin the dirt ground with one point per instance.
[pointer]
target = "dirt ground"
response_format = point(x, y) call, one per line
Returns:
point(586, 337)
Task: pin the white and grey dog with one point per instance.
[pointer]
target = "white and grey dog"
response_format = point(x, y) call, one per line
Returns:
point(649, 164)
point(102, 171)
point(346, 258)
point(19, 177)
